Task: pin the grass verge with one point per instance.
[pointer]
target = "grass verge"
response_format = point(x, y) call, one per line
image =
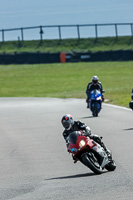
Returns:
point(68, 80)
point(69, 45)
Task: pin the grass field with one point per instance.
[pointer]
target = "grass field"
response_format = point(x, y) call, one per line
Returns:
point(69, 45)
point(68, 80)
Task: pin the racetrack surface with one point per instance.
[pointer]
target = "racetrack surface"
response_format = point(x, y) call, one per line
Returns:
point(34, 163)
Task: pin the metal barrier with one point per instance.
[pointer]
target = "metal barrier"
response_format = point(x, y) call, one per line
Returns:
point(41, 30)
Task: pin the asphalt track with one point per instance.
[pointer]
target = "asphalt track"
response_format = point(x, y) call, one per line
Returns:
point(34, 163)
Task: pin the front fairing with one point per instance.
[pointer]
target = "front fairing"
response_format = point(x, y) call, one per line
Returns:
point(78, 142)
point(95, 95)
point(74, 141)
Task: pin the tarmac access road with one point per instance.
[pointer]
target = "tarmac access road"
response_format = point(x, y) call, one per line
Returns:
point(34, 162)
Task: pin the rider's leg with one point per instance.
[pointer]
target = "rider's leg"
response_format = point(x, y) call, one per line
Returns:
point(87, 100)
point(99, 141)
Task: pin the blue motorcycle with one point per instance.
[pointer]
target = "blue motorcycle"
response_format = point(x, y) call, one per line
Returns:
point(95, 102)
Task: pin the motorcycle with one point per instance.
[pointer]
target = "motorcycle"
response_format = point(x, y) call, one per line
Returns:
point(89, 153)
point(95, 102)
point(131, 102)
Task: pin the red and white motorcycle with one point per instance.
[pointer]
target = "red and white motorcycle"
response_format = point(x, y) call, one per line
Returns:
point(89, 153)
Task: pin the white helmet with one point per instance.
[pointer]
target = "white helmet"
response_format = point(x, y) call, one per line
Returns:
point(95, 79)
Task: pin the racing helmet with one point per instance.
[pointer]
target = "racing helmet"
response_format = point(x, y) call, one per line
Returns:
point(67, 121)
point(94, 79)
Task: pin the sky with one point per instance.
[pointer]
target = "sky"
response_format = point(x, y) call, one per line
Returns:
point(28, 13)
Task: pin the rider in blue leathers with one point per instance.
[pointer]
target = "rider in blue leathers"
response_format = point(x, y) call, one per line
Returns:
point(94, 84)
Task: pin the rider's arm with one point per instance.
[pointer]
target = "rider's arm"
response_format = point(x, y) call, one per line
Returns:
point(82, 126)
point(88, 88)
point(65, 134)
point(100, 87)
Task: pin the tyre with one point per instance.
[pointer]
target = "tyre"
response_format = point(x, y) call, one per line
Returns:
point(91, 162)
point(95, 114)
point(111, 166)
point(95, 111)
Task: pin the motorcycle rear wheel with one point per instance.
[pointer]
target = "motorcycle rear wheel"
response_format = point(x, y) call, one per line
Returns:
point(92, 163)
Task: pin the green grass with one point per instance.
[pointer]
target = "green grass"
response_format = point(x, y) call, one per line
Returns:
point(69, 45)
point(68, 80)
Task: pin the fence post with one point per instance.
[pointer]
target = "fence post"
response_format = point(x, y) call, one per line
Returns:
point(78, 31)
point(96, 31)
point(116, 32)
point(22, 35)
point(2, 35)
point(41, 33)
point(132, 30)
point(59, 29)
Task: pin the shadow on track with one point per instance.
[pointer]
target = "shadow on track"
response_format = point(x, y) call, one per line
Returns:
point(128, 129)
point(86, 117)
point(76, 176)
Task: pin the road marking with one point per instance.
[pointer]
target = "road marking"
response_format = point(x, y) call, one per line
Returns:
point(120, 107)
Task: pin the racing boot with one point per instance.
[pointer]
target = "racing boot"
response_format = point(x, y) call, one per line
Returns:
point(74, 159)
point(108, 152)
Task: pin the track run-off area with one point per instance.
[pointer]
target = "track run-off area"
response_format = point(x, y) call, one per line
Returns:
point(34, 162)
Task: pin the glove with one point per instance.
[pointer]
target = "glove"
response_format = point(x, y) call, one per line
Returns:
point(87, 100)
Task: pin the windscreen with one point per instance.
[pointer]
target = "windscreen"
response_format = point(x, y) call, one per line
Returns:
point(73, 137)
point(96, 92)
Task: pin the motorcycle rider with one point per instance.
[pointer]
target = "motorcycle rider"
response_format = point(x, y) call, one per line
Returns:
point(94, 84)
point(70, 125)
point(131, 102)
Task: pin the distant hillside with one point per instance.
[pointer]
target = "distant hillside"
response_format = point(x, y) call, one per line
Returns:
point(69, 45)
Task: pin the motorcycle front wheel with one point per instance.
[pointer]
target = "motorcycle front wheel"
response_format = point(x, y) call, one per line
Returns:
point(92, 163)
point(95, 110)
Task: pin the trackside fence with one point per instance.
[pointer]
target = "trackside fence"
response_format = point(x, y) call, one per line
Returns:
point(61, 57)
point(78, 30)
